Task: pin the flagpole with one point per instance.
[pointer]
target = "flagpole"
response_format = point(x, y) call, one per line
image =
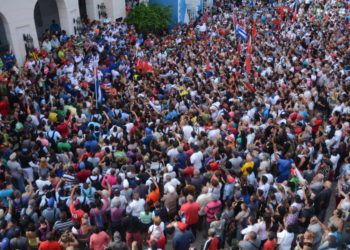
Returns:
point(96, 91)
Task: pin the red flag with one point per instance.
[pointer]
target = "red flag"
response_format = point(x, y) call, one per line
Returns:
point(295, 16)
point(254, 31)
point(138, 64)
point(143, 66)
point(250, 87)
point(249, 46)
point(147, 67)
point(239, 48)
point(247, 65)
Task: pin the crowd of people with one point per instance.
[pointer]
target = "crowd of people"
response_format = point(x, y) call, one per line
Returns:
point(197, 139)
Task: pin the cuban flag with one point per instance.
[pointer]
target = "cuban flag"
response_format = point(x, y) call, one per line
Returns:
point(241, 33)
point(98, 92)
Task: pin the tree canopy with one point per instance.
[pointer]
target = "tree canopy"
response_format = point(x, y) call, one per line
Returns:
point(150, 18)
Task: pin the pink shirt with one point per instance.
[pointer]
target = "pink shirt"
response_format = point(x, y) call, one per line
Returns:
point(99, 241)
point(111, 179)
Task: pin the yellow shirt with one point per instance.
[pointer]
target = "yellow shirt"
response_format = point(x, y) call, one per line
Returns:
point(246, 166)
point(53, 117)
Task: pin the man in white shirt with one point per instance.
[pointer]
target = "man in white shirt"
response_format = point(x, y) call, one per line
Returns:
point(173, 152)
point(118, 198)
point(196, 158)
point(136, 206)
point(285, 239)
point(187, 130)
point(174, 182)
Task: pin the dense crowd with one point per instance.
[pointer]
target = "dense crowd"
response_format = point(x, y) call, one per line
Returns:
point(199, 138)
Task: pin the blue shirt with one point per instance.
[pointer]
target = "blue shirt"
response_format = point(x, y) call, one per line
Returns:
point(181, 159)
point(182, 240)
point(91, 145)
point(4, 193)
point(284, 169)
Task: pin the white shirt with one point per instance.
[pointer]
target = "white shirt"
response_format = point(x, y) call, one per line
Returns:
point(250, 228)
point(187, 130)
point(41, 183)
point(123, 201)
point(172, 153)
point(265, 188)
point(174, 182)
point(196, 160)
point(334, 159)
point(214, 134)
point(136, 207)
point(284, 240)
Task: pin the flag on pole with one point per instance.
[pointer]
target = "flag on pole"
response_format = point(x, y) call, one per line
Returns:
point(254, 31)
point(295, 15)
point(98, 92)
point(247, 64)
point(249, 46)
point(241, 32)
point(143, 66)
point(239, 48)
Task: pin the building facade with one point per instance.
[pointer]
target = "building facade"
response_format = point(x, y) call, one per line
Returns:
point(22, 22)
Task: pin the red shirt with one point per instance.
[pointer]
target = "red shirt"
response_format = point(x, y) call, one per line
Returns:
point(63, 129)
point(77, 214)
point(83, 174)
point(189, 170)
point(49, 245)
point(214, 244)
point(316, 125)
point(4, 108)
point(190, 211)
point(270, 245)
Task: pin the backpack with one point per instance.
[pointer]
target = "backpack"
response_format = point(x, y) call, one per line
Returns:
point(18, 205)
point(85, 203)
point(51, 139)
point(26, 219)
point(96, 183)
point(87, 195)
point(61, 204)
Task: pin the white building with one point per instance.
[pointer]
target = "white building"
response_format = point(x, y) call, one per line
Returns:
point(22, 20)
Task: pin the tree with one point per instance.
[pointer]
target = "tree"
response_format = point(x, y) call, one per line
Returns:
point(150, 18)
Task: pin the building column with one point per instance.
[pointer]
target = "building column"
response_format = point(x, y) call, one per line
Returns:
point(116, 9)
point(69, 12)
point(91, 9)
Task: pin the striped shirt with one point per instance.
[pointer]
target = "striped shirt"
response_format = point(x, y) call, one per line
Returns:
point(69, 180)
point(62, 226)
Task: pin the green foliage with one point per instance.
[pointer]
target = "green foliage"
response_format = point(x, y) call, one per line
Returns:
point(150, 18)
